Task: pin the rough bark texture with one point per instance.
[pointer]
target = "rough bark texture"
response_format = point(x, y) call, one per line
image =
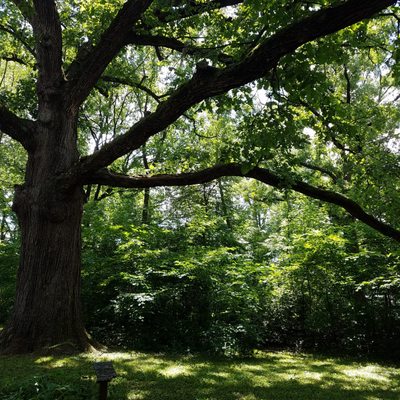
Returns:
point(47, 305)
point(47, 312)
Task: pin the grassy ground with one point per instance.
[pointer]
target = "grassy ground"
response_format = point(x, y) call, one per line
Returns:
point(269, 376)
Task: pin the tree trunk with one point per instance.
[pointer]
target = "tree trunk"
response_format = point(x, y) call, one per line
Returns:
point(47, 311)
point(224, 207)
point(146, 194)
point(146, 207)
point(3, 226)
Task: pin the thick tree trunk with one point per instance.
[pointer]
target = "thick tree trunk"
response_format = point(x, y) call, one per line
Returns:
point(47, 311)
point(47, 308)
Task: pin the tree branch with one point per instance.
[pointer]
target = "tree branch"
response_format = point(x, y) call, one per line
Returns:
point(47, 32)
point(348, 85)
point(319, 169)
point(193, 8)
point(19, 37)
point(209, 81)
point(175, 44)
point(19, 129)
point(85, 71)
point(105, 177)
point(129, 82)
point(25, 8)
point(14, 58)
point(328, 127)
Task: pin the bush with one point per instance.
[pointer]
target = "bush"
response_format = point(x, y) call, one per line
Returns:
point(180, 298)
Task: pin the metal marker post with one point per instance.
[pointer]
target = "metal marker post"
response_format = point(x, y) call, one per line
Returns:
point(105, 372)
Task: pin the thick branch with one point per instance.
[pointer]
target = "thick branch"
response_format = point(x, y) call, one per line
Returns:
point(105, 177)
point(47, 31)
point(208, 82)
point(86, 70)
point(19, 129)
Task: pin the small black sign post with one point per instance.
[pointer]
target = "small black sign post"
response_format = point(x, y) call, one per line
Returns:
point(104, 373)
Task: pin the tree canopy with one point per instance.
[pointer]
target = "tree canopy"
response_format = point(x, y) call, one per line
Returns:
point(100, 95)
point(165, 61)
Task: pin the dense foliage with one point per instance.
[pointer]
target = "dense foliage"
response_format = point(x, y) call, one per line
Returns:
point(197, 277)
point(193, 283)
point(230, 265)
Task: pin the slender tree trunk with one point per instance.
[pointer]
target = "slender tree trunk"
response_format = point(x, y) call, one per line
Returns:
point(224, 206)
point(3, 226)
point(47, 311)
point(146, 193)
point(146, 207)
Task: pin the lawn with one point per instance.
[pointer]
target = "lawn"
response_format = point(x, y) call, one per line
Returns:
point(272, 376)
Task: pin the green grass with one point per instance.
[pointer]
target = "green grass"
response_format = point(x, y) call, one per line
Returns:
point(267, 376)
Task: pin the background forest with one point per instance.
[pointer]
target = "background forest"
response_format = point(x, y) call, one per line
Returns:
point(233, 265)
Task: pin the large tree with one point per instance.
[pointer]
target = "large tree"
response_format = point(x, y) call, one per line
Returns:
point(192, 51)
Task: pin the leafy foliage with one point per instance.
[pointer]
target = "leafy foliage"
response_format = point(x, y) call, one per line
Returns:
point(232, 265)
point(186, 285)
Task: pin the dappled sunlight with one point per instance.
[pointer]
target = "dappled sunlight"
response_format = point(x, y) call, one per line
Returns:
point(175, 370)
point(277, 376)
point(44, 360)
point(271, 375)
point(312, 376)
point(58, 362)
point(239, 396)
point(135, 396)
point(116, 356)
point(223, 375)
point(369, 372)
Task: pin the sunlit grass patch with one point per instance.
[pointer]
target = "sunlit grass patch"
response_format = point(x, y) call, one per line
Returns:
point(272, 376)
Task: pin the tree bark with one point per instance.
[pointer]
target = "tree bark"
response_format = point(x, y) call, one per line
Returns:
point(224, 207)
point(47, 308)
point(47, 311)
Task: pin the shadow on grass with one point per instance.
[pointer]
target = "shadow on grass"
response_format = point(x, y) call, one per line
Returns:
point(272, 376)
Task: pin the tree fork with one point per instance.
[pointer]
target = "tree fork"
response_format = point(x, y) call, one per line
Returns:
point(47, 312)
